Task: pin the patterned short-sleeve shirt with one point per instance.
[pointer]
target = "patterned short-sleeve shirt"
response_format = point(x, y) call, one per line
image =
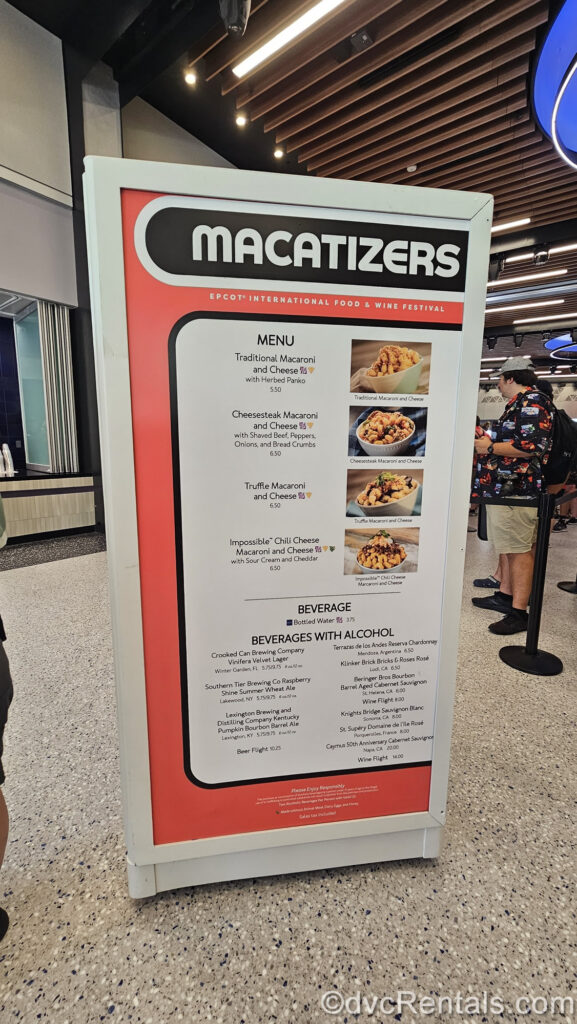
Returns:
point(527, 423)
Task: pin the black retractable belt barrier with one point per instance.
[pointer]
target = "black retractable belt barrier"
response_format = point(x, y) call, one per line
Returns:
point(569, 586)
point(529, 658)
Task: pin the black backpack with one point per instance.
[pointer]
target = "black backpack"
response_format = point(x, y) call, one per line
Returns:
point(563, 455)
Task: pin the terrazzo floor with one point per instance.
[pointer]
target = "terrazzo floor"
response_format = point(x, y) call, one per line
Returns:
point(51, 549)
point(495, 914)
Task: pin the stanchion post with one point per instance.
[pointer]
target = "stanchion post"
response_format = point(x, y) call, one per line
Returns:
point(545, 515)
point(529, 658)
point(569, 586)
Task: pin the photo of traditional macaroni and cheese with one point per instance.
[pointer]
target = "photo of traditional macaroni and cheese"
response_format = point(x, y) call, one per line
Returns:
point(387, 367)
point(387, 432)
point(384, 492)
point(381, 552)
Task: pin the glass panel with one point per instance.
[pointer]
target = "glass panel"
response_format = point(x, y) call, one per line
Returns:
point(32, 393)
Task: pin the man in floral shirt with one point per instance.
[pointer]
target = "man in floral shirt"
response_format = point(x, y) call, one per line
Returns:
point(512, 466)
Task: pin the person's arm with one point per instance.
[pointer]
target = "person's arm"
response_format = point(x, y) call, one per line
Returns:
point(502, 448)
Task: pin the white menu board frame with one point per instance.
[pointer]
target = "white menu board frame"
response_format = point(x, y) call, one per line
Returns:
point(157, 824)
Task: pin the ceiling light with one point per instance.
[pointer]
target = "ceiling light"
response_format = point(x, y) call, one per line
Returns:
point(241, 120)
point(561, 149)
point(412, 168)
point(566, 366)
point(563, 248)
point(286, 36)
point(190, 76)
point(517, 259)
point(510, 224)
point(546, 316)
point(527, 277)
point(278, 154)
point(524, 305)
point(491, 359)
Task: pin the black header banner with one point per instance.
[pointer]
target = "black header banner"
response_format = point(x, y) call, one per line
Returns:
point(216, 243)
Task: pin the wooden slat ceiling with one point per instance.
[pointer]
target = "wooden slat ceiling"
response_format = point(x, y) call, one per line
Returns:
point(442, 85)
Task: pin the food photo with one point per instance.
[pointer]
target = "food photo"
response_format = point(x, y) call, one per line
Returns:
point(390, 367)
point(387, 432)
point(379, 552)
point(384, 493)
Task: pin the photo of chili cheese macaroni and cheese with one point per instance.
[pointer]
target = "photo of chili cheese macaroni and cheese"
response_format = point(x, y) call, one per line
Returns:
point(381, 552)
point(390, 367)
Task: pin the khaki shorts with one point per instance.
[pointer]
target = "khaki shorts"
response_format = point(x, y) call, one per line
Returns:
point(512, 530)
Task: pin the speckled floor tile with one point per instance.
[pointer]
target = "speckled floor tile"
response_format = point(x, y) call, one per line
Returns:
point(50, 549)
point(496, 913)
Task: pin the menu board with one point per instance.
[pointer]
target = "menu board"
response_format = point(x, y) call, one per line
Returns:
point(286, 393)
point(312, 523)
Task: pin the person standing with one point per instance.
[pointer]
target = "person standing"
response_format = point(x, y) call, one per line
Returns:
point(6, 693)
point(512, 466)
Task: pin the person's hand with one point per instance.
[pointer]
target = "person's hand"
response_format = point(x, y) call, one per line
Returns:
point(481, 444)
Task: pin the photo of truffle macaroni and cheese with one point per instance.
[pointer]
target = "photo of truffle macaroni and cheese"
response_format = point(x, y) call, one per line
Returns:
point(381, 552)
point(384, 492)
point(390, 367)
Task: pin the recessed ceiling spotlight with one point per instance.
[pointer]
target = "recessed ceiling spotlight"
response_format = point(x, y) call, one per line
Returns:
point(412, 168)
point(190, 75)
point(241, 120)
point(278, 153)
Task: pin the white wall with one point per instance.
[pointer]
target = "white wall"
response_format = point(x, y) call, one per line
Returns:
point(149, 135)
point(37, 250)
point(33, 118)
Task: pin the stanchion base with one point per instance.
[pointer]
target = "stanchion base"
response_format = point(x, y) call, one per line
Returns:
point(539, 664)
point(569, 586)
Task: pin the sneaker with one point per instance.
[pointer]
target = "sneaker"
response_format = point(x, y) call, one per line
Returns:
point(572, 520)
point(496, 602)
point(514, 622)
point(489, 582)
point(4, 922)
point(561, 524)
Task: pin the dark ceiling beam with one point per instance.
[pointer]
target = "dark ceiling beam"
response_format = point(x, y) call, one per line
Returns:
point(89, 28)
point(162, 36)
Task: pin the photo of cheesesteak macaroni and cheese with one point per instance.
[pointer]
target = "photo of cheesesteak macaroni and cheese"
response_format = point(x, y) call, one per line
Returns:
point(380, 552)
point(386, 432)
point(390, 367)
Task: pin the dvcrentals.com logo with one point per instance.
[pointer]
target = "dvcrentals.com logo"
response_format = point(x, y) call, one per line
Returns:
point(182, 241)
